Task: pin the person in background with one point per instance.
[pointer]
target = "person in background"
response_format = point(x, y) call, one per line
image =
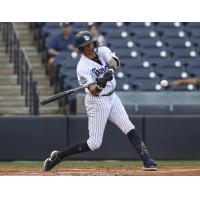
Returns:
point(94, 31)
point(58, 44)
point(193, 81)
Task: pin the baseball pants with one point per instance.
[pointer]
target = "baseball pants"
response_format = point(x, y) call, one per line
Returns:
point(99, 110)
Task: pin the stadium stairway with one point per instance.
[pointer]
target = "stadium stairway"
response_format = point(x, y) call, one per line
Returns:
point(27, 42)
point(11, 101)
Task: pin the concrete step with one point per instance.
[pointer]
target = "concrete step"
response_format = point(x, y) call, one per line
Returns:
point(10, 90)
point(14, 110)
point(8, 98)
point(12, 103)
point(7, 65)
point(35, 59)
point(30, 48)
point(26, 43)
point(7, 71)
point(8, 79)
point(4, 59)
point(38, 70)
point(47, 110)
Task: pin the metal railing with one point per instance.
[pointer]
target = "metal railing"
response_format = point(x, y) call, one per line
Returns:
point(22, 66)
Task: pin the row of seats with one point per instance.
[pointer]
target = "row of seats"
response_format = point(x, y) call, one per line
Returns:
point(149, 53)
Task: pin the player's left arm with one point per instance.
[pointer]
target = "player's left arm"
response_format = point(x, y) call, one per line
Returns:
point(113, 62)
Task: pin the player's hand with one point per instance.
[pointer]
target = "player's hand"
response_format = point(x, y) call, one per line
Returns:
point(108, 76)
point(101, 82)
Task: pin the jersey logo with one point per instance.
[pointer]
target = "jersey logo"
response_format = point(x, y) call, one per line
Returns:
point(86, 37)
point(83, 80)
point(100, 71)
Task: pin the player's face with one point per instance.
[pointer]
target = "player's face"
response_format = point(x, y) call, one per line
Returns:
point(89, 49)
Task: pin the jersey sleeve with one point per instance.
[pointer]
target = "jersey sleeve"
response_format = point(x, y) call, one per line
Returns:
point(108, 54)
point(84, 76)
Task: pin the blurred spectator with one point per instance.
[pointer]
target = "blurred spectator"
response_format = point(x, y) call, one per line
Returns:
point(93, 29)
point(193, 81)
point(60, 44)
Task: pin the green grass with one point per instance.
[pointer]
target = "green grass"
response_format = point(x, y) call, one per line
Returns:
point(99, 163)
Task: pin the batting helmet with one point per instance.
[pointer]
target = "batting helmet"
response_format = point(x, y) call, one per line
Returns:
point(84, 38)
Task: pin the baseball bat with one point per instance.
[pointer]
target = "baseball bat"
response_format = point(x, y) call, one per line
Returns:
point(62, 94)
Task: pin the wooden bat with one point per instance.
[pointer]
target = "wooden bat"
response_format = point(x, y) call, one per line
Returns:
point(62, 94)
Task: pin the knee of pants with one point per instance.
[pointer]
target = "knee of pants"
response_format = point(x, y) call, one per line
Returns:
point(94, 145)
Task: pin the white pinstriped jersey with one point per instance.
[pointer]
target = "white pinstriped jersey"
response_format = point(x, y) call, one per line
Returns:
point(88, 70)
point(101, 108)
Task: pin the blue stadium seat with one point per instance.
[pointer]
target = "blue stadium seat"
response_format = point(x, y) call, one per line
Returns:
point(172, 33)
point(140, 24)
point(138, 72)
point(143, 33)
point(155, 52)
point(128, 52)
point(166, 25)
point(117, 33)
point(110, 25)
point(147, 42)
point(182, 52)
point(145, 84)
point(170, 72)
point(122, 85)
point(176, 42)
point(192, 25)
point(194, 71)
point(120, 42)
point(161, 62)
point(131, 62)
point(195, 33)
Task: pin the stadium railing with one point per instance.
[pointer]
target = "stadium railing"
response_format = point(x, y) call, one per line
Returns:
point(22, 66)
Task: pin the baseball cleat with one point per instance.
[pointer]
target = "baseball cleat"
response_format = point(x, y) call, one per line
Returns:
point(150, 165)
point(52, 161)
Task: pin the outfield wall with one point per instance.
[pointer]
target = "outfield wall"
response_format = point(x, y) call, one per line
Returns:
point(33, 138)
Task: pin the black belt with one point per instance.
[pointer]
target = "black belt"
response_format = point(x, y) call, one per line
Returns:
point(109, 94)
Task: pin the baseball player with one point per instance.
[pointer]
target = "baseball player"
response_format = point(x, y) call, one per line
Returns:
point(96, 68)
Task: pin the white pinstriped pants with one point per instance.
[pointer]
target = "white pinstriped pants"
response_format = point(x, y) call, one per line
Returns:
point(99, 110)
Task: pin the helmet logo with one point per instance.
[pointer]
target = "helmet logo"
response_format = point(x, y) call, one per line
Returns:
point(86, 37)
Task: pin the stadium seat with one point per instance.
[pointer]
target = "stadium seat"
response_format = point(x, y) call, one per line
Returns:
point(184, 52)
point(149, 42)
point(194, 71)
point(166, 25)
point(142, 84)
point(131, 62)
point(117, 33)
point(155, 52)
point(170, 72)
point(177, 42)
point(140, 73)
point(173, 33)
point(122, 85)
point(121, 43)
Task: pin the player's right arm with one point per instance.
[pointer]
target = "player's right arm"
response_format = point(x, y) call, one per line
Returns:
point(85, 77)
point(193, 81)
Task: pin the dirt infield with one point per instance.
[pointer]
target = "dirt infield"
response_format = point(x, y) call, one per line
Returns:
point(100, 171)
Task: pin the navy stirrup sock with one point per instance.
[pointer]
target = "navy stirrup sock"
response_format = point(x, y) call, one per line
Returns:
point(138, 143)
point(77, 148)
